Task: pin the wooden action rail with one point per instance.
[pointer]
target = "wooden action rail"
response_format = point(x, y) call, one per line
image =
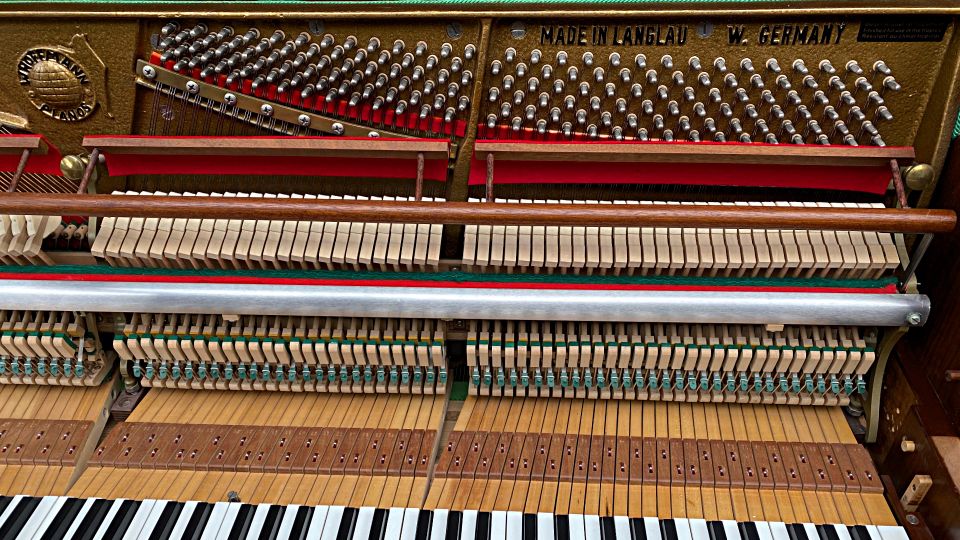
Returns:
point(25, 146)
point(923, 221)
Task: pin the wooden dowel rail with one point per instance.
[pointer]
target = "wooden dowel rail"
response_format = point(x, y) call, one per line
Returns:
point(457, 213)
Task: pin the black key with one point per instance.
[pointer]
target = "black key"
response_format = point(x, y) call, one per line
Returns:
point(637, 529)
point(347, 523)
point(715, 528)
point(272, 523)
point(797, 532)
point(529, 527)
point(424, 517)
point(859, 532)
point(241, 524)
point(827, 532)
point(63, 520)
point(380, 521)
point(19, 517)
point(199, 518)
point(304, 515)
point(122, 520)
point(4, 501)
point(454, 521)
point(561, 527)
point(91, 522)
point(748, 530)
point(608, 531)
point(483, 526)
point(668, 529)
point(167, 521)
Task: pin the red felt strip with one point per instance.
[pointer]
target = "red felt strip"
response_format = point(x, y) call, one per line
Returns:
point(252, 280)
point(48, 163)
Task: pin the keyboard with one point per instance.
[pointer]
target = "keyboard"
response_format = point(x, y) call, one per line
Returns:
point(69, 518)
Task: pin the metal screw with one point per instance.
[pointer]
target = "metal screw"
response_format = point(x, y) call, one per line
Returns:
point(454, 30)
point(149, 72)
point(913, 519)
point(316, 27)
point(193, 87)
point(304, 120)
point(704, 29)
point(233, 496)
point(230, 99)
point(337, 128)
point(266, 109)
point(518, 30)
point(914, 319)
point(373, 134)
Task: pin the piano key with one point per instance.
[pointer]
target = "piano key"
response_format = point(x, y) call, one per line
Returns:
point(364, 522)
point(811, 531)
point(196, 523)
point(438, 526)
point(797, 532)
point(317, 522)
point(778, 530)
point(827, 532)
point(638, 529)
point(840, 530)
point(682, 529)
point(668, 529)
point(116, 517)
point(592, 528)
point(498, 525)
point(561, 527)
point(716, 530)
point(468, 525)
point(332, 523)
point(748, 530)
point(29, 523)
point(621, 526)
point(408, 530)
point(186, 515)
point(70, 513)
point(764, 531)
point(256, 521)
point(454, 521)
point(859, 532)
point(423, 525)
point(530, 527)
point(731, 530)
point(698, 528)
point(303, 516)
point(608, 529)
point(888, 532)
point(217, 515)
point(88, 516)
point(394, 524)
point(4, 501)
point(347, 521)
point(158, 519)
point(576, 527)
point(139, 520)
point(272, 522)
point(379, 522)
point(289, 518)
point(651, 527)
point(241, 525)
point(17, 506)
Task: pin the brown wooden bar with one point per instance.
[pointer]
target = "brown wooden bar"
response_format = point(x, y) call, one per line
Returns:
point(269, 146)
point(447, 213)
point(16, 144)
point(865, 156)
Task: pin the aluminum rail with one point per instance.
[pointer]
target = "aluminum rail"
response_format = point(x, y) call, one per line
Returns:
point(857, 309)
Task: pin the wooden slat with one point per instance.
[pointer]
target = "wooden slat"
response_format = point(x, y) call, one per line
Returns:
point(269, 146)
point(15, 144)
point(666, 215)
point(734, 153)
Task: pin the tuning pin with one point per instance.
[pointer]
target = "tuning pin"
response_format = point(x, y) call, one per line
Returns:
point(581, 116)
point(614, 59)
point(373, 44)
point(632, 121)
point(830, 114)
point(793, 98)
point(803, 113)
point(516, 124)
point(542, 126)
point(625, 75)
point(617, 133)
point(598, 74)
point(666, 61)
point(642, 134)
point(776, 112)
point(530, 112)
point(606, 119)
point(463, 103)
point(814, 127)
point(641, 61)
point(518, 97)
point(720, 64)
point(558, 86)
point(361, 56)
point(532, 84)
point(555, 115)
point(693, 136)
point(584, 89)
point(880, 67)
point(846, 98)
point(868, 128)
point(747, 65)
point(543, 100)
point(452, 90)
point(877, 140)
point(381, 81)
point(683, 124)
point(651, 77)
point(767, 97)
point(800, 67)
point(449, 115)
point(595, 103)
point(875, 99)
point(394, 71)
point(521, 70)
point(854, 68)
point(573, 74)
point(714, 95)
point(820, 98)
point(469, 51)
point(647, 107)
point(636, 90)
point(510, 55)
point(505, 110)
point(726, 110)
point(169, 28)
point(508, 82)
point(761, 127)
point(621, 105)
point(546, 71)
point(783, 82)
point(773, 65)
point(678, 78)
point(891, 84)
point(197, 31)
point(405, 62)
point(662, 92)
point(710, 125)
point(567, 129)
point(850, 140)
point(673, 108)
point(658, 122)
point(699, 109)
point(694, 63)
point(496, 67)
point(569, 103)
point(751, 111)
point(863, 84)
point(883, 113)
point(719, 137)
point(689, 94)
point(730, 80)
point(787, 127)
point(609, 89)
point(562, 58)
point(810, 82)
point(742, 95)
point(383, 58)
point(494, 94)
point(756, 81)
point(588, 58)
point(667, 135)
point(432, 62)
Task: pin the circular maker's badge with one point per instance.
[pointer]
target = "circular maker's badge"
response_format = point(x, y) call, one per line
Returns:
point(56, 84)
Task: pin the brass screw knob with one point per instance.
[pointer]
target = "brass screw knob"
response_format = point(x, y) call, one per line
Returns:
point(907, 446)
point(73, 166)
point(919, 176)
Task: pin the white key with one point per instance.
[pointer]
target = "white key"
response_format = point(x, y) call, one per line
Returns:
point(779, 531)
point(438, 529)
point(183, 519)
point(889, 532)
point(498, 525)
point(408, 531)
point(730, 529)
point(78, 519)
point(231, 515)
point(698, 528)
point(139, 519)
point(286, 524)
point(8, 511)
point(763, 530)
point(105, 524)
point(315, 530)
point(332, 523)
point(361, 531)
point(154, 517)
point(514, 525)
point(48, 519)
point(683, 528)
point(394, 523)
point(651, 526)
point(217, 516)
point(811, 530)
point(259, 518)
point(545, 525)
point(40, 513)
point(468, 525)
point(577, 527)
point(621, 524)
point(842, 532)
point(591, 527)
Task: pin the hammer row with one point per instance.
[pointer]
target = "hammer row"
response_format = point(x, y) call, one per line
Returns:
point(21, 238)
point(680, 251)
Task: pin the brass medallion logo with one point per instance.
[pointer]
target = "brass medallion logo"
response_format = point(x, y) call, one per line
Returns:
point(56, 84)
